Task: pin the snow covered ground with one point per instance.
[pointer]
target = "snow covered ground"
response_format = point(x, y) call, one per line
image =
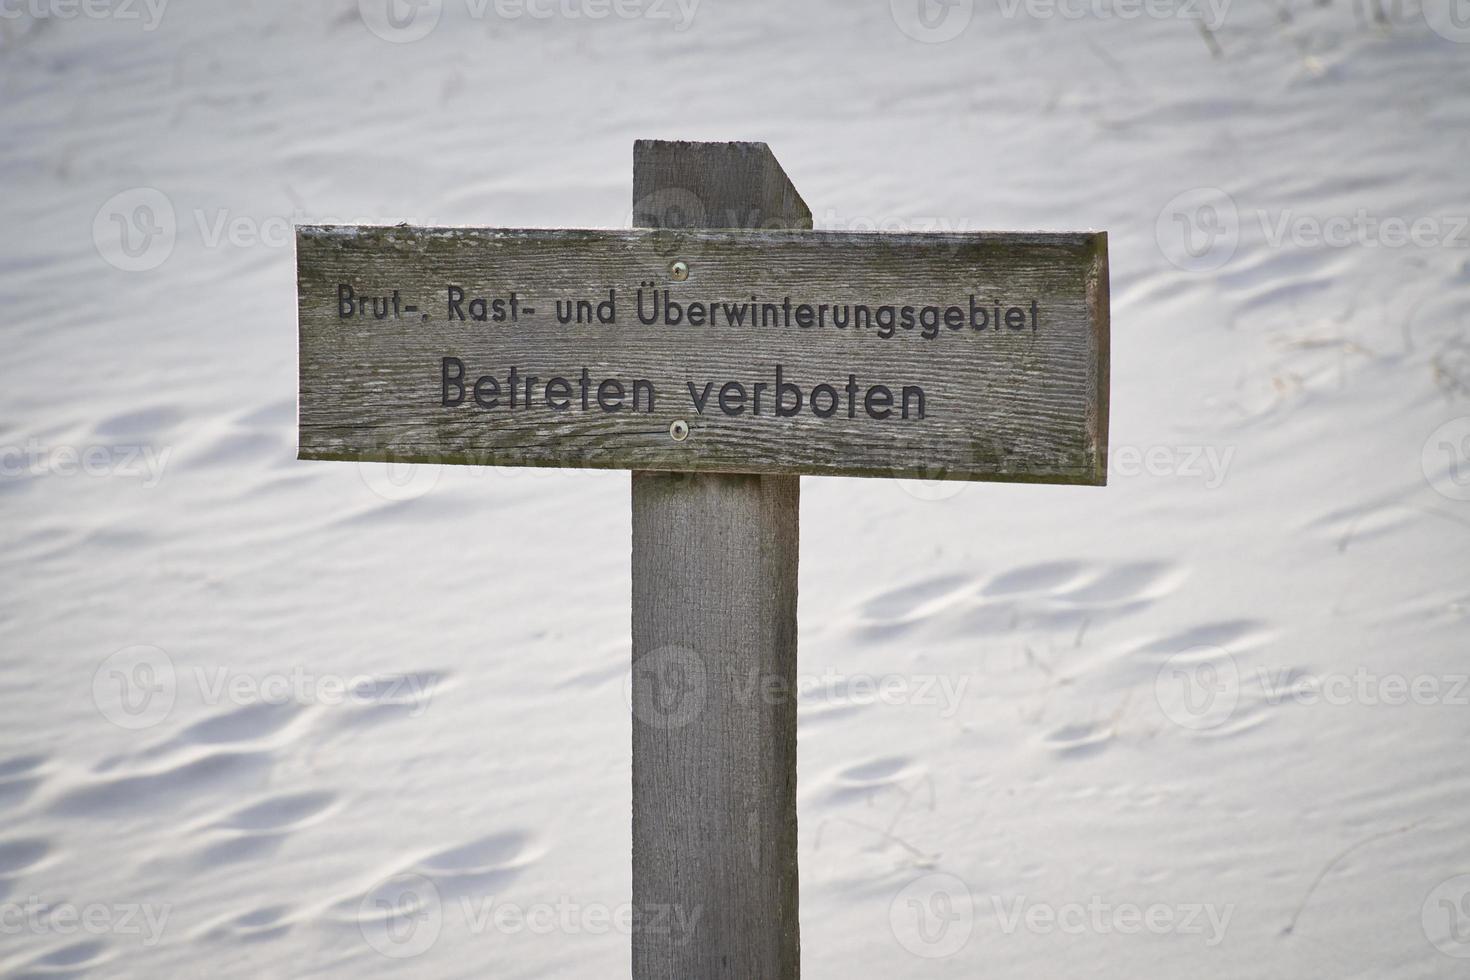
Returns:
point(1207, 722)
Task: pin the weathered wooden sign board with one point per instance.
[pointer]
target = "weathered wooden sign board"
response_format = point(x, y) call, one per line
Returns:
point(940, 356)
point(748, 356)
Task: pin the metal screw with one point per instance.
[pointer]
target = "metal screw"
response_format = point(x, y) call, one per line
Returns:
point(679, 270)
point(679, 431)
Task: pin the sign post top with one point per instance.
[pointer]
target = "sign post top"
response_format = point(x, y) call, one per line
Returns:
point(679, 184)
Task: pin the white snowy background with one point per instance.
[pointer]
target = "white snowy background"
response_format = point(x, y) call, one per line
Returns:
point(1227, 692)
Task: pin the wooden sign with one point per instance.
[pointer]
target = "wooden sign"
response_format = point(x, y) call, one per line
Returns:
point(936, 356)
point(748, 356)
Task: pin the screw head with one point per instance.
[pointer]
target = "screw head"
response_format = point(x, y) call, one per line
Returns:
point(679, 431)
point(679, 270)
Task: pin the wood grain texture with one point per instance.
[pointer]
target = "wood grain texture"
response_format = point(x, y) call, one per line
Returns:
point(714, 729)
point(714, 655)
point(999, 404)
point(683, 185)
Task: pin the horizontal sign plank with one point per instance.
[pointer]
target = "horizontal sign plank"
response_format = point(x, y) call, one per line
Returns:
point(935, 356)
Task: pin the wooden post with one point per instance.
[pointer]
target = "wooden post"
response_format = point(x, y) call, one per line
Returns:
point(977, 356)
point(982, 356)
point(714, 650)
